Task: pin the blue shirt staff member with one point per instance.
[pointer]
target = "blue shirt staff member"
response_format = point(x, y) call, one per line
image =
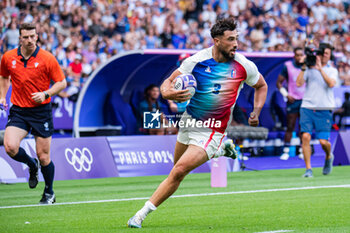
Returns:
point(317, 105)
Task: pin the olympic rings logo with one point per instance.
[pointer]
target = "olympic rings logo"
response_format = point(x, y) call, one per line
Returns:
point(79, 159)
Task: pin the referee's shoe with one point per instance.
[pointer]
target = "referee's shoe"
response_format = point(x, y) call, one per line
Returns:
point(33, 175)
point(48, 199)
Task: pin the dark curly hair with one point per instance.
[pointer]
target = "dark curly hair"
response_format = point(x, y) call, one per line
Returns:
point(147, 94)
point(221, 26)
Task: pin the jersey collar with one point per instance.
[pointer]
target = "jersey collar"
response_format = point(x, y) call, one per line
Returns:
point(33, 55)
point(24, 60)
point(295, 64)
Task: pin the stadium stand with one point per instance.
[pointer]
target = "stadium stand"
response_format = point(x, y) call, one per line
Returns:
point(100, 29)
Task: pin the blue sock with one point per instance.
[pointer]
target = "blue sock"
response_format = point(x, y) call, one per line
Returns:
point(22, 157)
point(48, 174)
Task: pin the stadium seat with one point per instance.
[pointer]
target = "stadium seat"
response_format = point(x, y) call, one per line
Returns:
point(117, 112)
point(135, 98)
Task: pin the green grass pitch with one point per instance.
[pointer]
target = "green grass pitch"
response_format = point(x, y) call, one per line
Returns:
point(307, 210)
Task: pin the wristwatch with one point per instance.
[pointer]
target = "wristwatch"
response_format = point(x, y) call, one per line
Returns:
point(46, 95)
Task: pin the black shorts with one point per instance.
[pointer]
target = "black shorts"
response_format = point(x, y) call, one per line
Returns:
point(38, 120)
point(294, 107)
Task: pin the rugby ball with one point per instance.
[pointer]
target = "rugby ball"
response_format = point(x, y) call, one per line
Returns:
point(186, 81)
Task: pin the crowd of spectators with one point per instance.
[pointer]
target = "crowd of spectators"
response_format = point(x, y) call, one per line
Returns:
point(83, 34)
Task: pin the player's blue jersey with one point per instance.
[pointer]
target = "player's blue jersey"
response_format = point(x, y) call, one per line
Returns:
point(218, 85)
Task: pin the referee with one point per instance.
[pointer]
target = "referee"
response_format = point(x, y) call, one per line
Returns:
point(30, 70)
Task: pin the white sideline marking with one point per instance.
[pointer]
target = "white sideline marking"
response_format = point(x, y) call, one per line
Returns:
point(275, 231)
point(184, 195)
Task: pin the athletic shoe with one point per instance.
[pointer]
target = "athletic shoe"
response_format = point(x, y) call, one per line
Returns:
point(284, 156)
point(48, 199)
point(229, 149)
point(33, 175)
point(328, 165)
point(135, 222)
point(308, 174)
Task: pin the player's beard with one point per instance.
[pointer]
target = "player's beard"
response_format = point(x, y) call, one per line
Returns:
point(228, 55)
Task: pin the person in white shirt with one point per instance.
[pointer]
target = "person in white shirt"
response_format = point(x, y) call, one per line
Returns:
point(317, 105)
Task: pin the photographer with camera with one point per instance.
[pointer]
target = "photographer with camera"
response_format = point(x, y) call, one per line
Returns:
point(318, 102)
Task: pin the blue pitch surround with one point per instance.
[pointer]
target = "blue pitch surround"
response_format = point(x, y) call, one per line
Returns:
point(99, 157)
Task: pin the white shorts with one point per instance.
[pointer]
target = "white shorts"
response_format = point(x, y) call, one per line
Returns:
point(208, 139)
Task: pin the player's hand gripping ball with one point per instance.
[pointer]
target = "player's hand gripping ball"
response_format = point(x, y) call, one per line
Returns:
point(186, 81)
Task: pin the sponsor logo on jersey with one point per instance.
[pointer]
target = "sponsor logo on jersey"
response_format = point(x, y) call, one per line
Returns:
point(233, 73)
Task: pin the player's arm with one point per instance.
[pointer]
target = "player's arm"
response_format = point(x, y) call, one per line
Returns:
point(55, 74)
point(330, 81)
point(280, 81)
point(57, 87)
point(283, 76)
point(282, 89)
point(168, 91)
point(300, 79)
point(259, 101)
point(4, 86)
point(4, 80)
point(40, 97)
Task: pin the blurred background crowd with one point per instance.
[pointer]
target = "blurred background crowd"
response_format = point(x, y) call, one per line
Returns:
point(83, 34)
